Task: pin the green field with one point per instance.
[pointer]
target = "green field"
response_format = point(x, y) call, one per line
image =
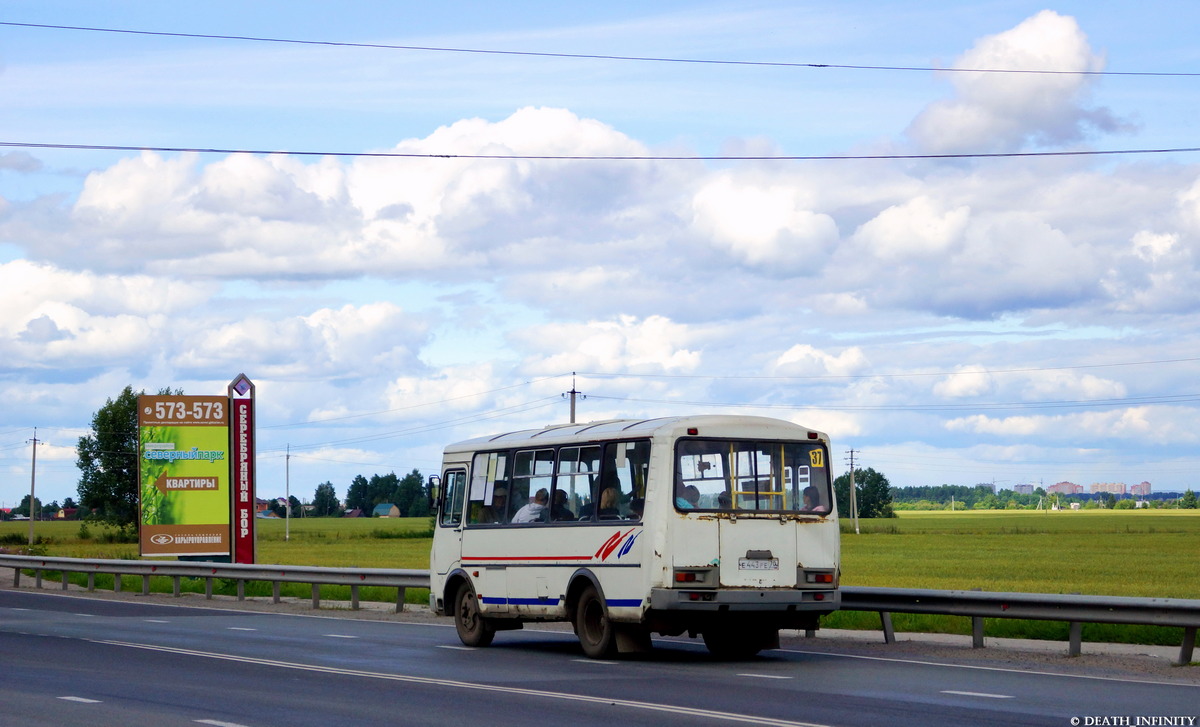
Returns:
point(1096, 552)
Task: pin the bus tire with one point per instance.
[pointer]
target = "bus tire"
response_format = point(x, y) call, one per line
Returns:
point(473, 629)
point(596, 633)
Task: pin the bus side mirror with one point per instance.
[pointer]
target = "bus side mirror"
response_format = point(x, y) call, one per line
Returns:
point(435, 486)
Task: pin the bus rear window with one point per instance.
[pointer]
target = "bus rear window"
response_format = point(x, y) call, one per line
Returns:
point(735, 475)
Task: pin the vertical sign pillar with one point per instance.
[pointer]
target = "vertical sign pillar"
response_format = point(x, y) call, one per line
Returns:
point(241, 435)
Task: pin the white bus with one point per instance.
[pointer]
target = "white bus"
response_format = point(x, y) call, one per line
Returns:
point(720, 526)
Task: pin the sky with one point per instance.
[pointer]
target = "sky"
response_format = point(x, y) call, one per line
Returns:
point(475, 208)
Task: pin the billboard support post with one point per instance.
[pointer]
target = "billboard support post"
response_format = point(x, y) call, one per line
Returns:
point(242, 495)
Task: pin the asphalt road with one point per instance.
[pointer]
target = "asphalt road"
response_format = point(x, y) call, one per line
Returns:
point(79, 661)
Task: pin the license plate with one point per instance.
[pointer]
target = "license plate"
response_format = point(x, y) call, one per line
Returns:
point(758, 564)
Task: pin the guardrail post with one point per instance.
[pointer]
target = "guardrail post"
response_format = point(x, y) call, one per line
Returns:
point(889, 633)
point(16, 577)
point(208, 588)
point(37, 578)
point(400, 600)
point(91, 582)
point(353, 598)
point(977, 632)
point(1189, 642)
point(1076, 646)
point(241, 590)
point(175, 586)
point(274, 591)
point(64, 580)
point(316, 595)
point(116, 582)
point(145, 585)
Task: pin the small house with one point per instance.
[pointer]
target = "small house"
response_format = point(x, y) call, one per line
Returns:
point(385, 509)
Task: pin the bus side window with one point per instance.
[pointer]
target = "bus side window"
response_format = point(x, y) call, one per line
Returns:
point(577, 467)
point(622, 480)
point(453, 484)
point(533, 471)
point(487, 500)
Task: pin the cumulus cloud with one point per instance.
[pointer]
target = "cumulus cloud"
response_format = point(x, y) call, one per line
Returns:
point(351, 340)
point(653, 344)
point(805, 360)
point(966, 381)
point(79, 319)
point(915, 229)
point(765, 227)
point(997, 112)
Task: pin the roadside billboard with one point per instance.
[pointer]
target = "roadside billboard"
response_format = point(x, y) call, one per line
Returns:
point(184, 475)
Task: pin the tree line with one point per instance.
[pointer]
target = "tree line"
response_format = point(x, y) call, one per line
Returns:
point(982, 497)
point(407, 493)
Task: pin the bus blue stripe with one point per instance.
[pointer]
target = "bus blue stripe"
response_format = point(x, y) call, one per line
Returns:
point(499, 601)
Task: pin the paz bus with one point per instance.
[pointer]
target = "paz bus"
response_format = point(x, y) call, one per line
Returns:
point(719, 526)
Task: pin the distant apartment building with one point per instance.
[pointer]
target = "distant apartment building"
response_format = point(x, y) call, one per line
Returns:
point(1115, 488)
point(1023, 489)
point(1140, 490)
point(991, 486)
point(1065, 488)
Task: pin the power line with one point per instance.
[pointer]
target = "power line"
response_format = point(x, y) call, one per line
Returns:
point(601, 157)
point(1032, 369)
point(597, 56)
point(967, 407)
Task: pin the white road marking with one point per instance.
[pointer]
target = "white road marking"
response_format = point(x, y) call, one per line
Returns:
point(458, 648)
point(765, 676)
point(156, 621)
point(978, 694)
point(81, 700)
point(240, 628)
point(947, 665)
point(601, 662)
point(218, 723)
point(507, 689)
point(339, 636)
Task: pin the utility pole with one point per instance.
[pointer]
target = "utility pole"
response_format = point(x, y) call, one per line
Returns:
point(287, 494)
point(32, 485)
point(573, 393)
point(853, 495)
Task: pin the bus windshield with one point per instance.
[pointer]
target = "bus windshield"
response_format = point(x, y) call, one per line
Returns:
point(738, 476)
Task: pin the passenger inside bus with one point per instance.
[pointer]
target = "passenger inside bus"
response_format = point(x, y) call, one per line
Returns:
point(608, 504)
point(812, 500)
point(534, 512)
point(689, 498)
point(495, 512)
point(558, 509)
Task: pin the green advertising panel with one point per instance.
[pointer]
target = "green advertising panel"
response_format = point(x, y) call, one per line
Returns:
point(184, 475)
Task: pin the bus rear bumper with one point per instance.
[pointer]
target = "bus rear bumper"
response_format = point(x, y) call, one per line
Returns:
point(745, 599)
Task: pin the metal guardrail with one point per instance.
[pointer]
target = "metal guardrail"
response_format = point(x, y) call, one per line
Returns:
point(1076, 610)
point(976, 605)
point(238, 572)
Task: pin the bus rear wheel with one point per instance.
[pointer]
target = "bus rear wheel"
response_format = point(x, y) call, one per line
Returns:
point(473, 629)
point(596, 633)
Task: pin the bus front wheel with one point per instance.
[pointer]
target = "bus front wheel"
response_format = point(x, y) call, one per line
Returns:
point(596, 633)
point(473, 629)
